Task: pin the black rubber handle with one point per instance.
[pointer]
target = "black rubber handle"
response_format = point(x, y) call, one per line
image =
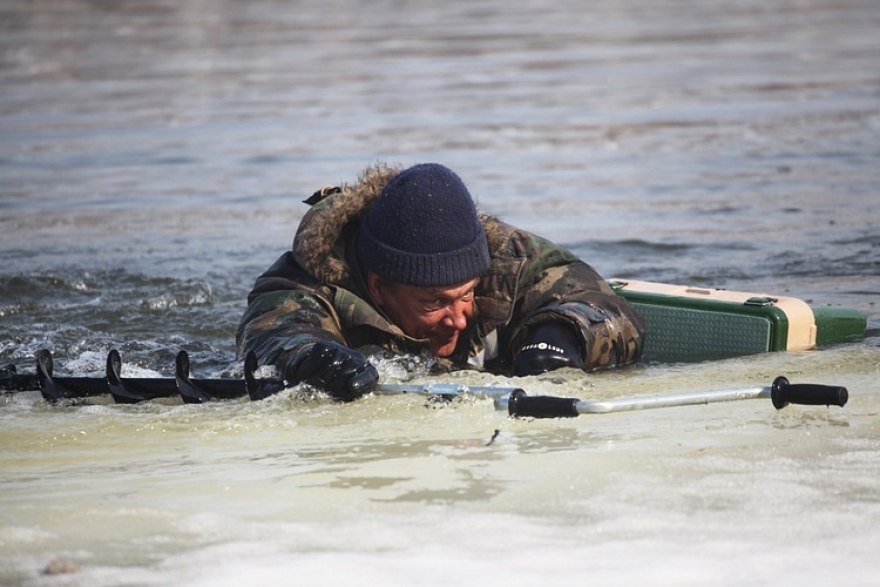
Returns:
point(809, 394)
point(520, 405)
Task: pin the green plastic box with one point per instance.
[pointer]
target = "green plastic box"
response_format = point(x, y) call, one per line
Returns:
point(686, 324)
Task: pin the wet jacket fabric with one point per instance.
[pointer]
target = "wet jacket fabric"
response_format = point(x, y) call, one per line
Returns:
point(316, 291)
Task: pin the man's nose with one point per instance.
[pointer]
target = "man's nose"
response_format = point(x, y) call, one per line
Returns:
point(456, 315)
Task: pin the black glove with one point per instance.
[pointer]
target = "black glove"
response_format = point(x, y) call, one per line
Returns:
point(549, 346)
point(338, 370)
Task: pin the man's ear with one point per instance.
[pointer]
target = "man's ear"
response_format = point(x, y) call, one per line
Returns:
point(376, 286)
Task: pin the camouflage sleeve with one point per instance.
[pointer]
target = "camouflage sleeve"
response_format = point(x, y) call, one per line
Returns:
point(555, 285)
point(286, 310)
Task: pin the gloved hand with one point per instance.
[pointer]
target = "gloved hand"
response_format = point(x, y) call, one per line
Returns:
point(336, 369)
point(549, 346)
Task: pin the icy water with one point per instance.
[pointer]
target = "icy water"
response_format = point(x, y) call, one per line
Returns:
point(153, 159)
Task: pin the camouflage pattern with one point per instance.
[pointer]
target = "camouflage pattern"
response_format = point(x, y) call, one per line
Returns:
point(316, 292)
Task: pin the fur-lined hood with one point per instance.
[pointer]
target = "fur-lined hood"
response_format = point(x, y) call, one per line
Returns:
point(320, 242)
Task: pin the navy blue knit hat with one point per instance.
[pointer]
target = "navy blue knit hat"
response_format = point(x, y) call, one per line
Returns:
point(424, 230)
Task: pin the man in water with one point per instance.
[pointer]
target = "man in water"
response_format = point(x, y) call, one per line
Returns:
point(403, 262)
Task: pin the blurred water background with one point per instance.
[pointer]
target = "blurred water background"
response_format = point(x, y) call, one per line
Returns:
point(153, 160)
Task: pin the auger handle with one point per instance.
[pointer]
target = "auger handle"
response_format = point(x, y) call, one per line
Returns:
point(783, 393)
point(521, 405)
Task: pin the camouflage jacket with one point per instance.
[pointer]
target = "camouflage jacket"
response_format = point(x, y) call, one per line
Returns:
point(317, 292)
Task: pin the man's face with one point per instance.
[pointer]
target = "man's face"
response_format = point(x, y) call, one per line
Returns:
point(439, 314)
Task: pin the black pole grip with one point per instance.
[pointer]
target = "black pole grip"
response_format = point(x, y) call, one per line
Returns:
point(809, 394)
point(520, 405)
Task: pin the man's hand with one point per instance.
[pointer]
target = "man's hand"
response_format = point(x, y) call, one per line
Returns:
point(549, 346)
point(336, 369)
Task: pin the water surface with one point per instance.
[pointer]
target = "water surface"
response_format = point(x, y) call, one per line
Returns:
point(153, 160)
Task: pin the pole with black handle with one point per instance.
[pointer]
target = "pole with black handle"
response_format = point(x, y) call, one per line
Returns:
point(781, 393)
point(515, 400)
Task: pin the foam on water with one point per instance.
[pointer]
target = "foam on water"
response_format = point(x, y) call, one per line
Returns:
point(447, 547)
